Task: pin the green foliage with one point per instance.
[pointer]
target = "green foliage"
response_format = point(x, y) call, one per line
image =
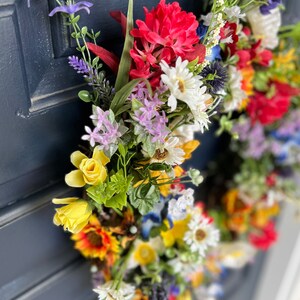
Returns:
point(84, 96)
point(112, 193)
point(144, 197)
point(124, 67)
point(122, 95)
point(261, 81)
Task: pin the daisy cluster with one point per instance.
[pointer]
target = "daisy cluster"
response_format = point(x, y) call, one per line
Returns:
point(142, 227)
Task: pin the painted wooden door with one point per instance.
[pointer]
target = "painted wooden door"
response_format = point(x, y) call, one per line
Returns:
point(41, 122)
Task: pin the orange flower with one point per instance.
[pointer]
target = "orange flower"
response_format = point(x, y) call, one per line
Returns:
point(96, 242)
point(233, 204)
point(247, 84)
point(262, 215)
point(238, 211)
point(189, 147)
point(238, 223)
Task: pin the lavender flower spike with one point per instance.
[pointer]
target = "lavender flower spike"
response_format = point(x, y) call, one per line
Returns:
point(72, 9)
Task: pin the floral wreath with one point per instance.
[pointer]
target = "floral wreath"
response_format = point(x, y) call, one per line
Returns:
point(138, 221)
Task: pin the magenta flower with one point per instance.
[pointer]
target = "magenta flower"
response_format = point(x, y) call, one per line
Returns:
point(72, 9)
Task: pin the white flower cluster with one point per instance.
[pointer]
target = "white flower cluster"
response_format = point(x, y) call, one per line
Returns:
point(108, 291)
point(266, 27)
point(177, 209)
point(187, 87)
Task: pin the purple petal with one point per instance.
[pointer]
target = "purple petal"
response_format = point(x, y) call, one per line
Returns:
point(72, 9)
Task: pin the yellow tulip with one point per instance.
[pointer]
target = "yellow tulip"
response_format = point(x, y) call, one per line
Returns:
point(74, 216)
point(90, 171)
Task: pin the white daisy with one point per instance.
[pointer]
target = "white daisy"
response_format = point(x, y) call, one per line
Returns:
point(108, 291)
point(201, 234)
point(182, 83)
point(184, 86)
point(169, 153)
point(237, 93)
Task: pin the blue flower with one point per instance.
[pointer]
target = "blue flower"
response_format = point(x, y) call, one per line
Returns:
point(201, 31)
point(215, 53)
point(155, 219)
point(265, 9)
point(73, 8)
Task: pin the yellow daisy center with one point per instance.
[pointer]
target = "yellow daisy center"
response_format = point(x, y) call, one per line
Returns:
point(160, 155)
point(181, 85)
point(200, 235)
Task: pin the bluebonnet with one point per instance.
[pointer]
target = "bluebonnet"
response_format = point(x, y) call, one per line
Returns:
point(265, 9)
point(73, 8)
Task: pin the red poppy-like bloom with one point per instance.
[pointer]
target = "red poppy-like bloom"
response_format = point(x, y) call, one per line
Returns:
point(268, 110)
point(96, 242)
point(265, 239)
point(166, 33)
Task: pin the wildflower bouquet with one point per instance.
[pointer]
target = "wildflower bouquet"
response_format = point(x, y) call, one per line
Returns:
point(136, 220)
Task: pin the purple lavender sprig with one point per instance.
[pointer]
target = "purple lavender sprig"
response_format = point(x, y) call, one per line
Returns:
point(79, 65)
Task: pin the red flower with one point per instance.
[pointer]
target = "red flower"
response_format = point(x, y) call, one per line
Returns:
point(268, 110)
point(244, 58)
point(166, 33)
point(271, 179)
point(228, 36)
point(265, 239)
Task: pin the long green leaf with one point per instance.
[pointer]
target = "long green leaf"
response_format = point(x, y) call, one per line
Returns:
point(122, 95)
point(124, 66)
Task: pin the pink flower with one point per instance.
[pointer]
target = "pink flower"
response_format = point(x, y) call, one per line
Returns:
point(166, 33)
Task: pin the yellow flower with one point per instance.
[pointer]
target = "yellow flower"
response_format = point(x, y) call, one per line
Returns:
point(189, 147)
point(144, 254)
point(90, 170)
point(197, 279)
point(262, 215)
point(176, 233)
point(74, 216)
point(186, 295)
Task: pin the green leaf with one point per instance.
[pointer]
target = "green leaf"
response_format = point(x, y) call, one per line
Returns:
point(149, 146)
point(85, 96)
point(84, 30)
point(117, 202)
point(160, 167)
point(124, 108)
point(122, 150)
point(100, 193)
point(125, 63)
point(136, 104)
point(74, 20)
point(95, 61)
point(144, 197)
point(122, 95)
